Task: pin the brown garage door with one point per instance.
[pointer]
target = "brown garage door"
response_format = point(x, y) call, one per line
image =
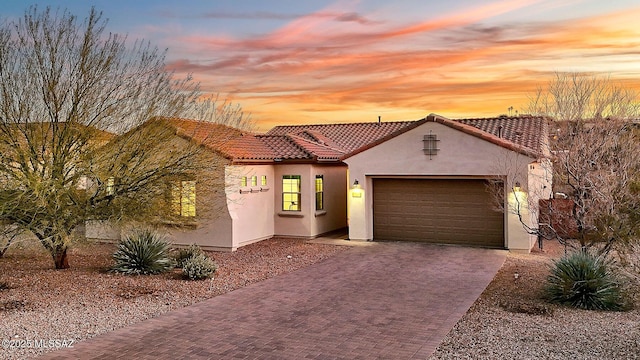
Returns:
point(436, 211)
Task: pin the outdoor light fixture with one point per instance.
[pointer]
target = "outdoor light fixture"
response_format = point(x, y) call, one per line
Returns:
point(356, 191)
point(516, 187)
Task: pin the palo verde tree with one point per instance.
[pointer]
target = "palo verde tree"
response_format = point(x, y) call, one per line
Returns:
point(595, 150)
point(73, 147)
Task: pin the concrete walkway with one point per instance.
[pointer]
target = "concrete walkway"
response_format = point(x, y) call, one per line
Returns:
point(386, 301)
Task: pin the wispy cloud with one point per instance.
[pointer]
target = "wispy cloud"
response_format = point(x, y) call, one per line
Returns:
point(322, 63)
point(266, 15)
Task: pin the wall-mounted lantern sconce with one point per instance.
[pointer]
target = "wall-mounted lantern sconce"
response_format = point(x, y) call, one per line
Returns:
point(356, 191)
point(516, 187)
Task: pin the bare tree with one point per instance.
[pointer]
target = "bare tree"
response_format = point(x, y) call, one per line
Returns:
point(595, 149)
point(72, 101)
point(580, 97)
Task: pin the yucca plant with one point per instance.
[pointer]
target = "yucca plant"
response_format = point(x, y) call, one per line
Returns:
point(183, 255)
point(199, 267)
point(142, 252)
point(584, 281)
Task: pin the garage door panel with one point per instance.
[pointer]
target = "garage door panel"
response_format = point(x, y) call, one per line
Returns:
point(437, 211)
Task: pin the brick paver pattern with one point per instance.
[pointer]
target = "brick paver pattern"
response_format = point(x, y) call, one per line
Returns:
point(387, 301)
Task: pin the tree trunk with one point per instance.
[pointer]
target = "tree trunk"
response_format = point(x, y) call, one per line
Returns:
point(5, 248)
point(60, 258)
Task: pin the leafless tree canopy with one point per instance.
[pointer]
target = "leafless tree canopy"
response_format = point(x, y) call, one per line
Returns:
point(580, 96)
point(596, 155)
point(73, 98)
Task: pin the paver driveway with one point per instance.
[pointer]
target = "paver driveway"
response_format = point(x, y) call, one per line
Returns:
point(389, 301)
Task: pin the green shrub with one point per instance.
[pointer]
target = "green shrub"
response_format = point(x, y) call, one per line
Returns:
point(142, 252)
point(199, 267)
point(584, 281)
point(183, 255)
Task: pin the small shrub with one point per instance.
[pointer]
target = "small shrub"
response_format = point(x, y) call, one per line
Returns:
point(584, 281)
point(199, 267)
point(142, 252)
point(183, 255)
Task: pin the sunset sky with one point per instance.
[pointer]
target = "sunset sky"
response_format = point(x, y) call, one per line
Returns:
point(302, 61)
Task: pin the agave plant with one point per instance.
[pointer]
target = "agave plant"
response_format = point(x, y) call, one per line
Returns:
point(142, 252)
point(584, 281)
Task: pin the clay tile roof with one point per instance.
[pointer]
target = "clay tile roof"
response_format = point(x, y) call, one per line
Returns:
point(317, 150)
point(343, 137)
point(279, 147)
point(525, 134)
point(525, 131)
point(212, 135)
point(249, 147)
point(334, 142)
point(284, 147)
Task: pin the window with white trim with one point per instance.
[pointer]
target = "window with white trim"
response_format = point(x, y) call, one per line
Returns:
point(291, 192)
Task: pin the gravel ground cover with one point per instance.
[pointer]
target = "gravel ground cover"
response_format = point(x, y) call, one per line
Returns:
point(40, 303)
point(508, 321)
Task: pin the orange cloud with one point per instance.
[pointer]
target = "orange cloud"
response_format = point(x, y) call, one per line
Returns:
point(319, 68)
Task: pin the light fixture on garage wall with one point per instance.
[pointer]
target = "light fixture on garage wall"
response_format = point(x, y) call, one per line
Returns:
point(516, 187)
point(356, 190)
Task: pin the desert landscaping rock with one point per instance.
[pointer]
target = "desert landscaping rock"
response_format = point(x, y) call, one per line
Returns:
point(40, 303)
point(510, 320)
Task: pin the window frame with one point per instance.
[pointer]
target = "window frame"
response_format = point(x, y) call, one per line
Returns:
point(319, 187)
point(183, 198)
point(291, 191)
point(110, 186)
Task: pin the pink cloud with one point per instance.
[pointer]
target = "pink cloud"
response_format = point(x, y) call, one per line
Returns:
point(452, 64)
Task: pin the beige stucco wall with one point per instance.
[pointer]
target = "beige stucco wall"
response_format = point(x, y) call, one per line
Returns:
point(102, 230)
point(308, 222)
point(213, 227)
point(540, 186)
point(251, 207)
point(334, 215)
point(461, 155)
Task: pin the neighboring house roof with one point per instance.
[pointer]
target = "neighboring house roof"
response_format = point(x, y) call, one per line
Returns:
point(39, 131)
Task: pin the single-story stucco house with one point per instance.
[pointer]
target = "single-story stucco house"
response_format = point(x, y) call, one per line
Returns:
point(427, 180)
